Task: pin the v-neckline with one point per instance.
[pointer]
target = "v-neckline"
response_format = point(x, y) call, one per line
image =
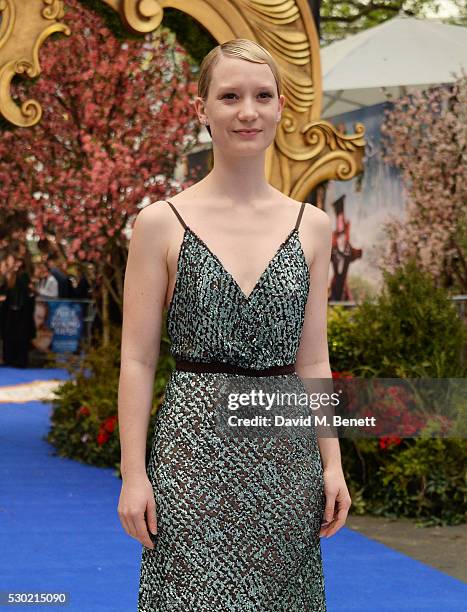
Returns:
point(246, 298)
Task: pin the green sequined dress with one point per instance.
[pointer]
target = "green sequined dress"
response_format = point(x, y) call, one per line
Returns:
point(238, 519)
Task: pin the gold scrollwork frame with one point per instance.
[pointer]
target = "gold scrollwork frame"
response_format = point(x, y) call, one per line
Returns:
point(24, 26)
point(306, 150)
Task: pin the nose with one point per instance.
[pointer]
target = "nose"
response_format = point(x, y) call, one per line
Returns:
point(248, 110)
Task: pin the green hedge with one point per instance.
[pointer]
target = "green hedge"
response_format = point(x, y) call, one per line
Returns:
point(410, 330)
point(421, 478)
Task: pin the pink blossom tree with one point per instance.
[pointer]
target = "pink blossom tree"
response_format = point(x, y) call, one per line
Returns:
point(425, 137)
point(117, 118)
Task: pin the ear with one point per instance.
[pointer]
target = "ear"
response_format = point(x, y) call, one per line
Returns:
point(281, 106)
point(200, 109)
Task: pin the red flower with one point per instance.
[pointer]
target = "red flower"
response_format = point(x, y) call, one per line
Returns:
point(388, 441)
point(109, 424)
point(102, 437)
point(341, 375)
point(83, 411)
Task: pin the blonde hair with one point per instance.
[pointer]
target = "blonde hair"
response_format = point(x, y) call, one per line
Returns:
point(240, 48)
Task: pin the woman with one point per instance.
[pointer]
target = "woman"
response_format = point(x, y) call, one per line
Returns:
point(19, 327)
point(3, 292)
point(228, 524)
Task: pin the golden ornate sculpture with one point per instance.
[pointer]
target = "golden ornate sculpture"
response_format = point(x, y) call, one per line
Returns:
point(24, 26)
point(306, 150)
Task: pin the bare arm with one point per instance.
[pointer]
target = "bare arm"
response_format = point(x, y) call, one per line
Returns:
point(313, 355)
point(143, 305)
point(313, 363)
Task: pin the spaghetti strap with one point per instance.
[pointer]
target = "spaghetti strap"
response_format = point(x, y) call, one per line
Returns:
point(299, 218)
point(177, 213)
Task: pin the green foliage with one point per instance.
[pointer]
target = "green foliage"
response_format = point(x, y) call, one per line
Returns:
point(110, 18)
point(341, 331)
point(191, 35)
point(85, 408)
point(428, 479)
point(342, 19)
point(423, 478)
point(361, 288)
point(412, 329)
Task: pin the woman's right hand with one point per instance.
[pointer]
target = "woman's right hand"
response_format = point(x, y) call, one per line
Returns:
point(136, 500)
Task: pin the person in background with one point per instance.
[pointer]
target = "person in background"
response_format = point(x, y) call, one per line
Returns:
point(65, 288)
point(3, 289)
point(19, 327)
point(46, 283)
point(18, 245)
point(83, 289)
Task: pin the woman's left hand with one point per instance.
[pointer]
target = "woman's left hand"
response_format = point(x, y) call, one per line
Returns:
point(338, 501)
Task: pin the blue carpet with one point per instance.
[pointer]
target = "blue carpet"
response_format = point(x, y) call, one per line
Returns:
point(60, 532)
point(368, 576)
point(17, 376)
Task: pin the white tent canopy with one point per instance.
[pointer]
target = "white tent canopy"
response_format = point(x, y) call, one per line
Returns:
point(386, 61)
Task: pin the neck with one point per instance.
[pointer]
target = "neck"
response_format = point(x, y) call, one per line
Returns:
point(241, 180)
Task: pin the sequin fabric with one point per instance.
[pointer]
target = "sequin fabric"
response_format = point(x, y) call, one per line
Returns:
point(238, 517)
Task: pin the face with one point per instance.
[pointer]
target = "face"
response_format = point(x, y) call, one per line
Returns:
point(10, 263)
point(18, 263)
point(41, 270)
point(40, 315)
point(242, 96)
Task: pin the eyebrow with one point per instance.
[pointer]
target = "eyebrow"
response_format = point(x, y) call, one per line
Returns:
point(223, 87)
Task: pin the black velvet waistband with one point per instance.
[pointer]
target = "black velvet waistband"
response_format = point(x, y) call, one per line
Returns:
point(229, 368)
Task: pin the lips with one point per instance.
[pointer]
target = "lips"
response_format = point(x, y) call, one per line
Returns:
point(247, 131)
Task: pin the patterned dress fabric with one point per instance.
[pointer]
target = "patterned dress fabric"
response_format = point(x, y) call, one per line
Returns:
point(238, 516)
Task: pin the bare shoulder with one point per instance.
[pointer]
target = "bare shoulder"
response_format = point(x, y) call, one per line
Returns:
point(313, 217)
point(316, 230)
point(154, 214)
point(153, 223)
point(316, 221)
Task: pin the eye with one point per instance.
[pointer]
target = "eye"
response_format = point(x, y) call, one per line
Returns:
point(263, 93)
